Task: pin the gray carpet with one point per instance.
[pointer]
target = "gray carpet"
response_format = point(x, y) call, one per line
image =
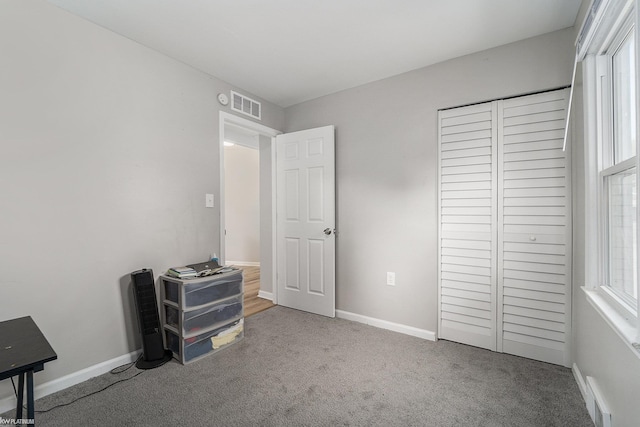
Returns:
point(299, 369)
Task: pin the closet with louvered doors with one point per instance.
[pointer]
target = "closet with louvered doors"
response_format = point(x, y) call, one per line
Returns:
point(505, 227)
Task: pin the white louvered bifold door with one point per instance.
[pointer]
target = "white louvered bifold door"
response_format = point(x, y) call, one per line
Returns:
point(534, 228)
point(468, 168)
point(505, 223)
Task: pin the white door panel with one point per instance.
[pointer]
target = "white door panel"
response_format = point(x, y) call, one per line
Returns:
point(536, 207)
point(306, 220)
point(467, 294)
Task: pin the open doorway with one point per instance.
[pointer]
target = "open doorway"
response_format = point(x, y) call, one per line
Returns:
point(247, 206)
point(242, 198)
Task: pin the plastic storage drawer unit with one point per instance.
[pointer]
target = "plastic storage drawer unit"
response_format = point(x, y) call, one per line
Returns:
point(202, 315)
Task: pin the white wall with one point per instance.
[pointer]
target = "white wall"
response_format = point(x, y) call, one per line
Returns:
point(266, 215)
point(108, 149)
point(597, 350)
point(242, 204)
point(386, 170)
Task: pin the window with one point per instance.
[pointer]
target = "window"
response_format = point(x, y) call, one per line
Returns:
point(607, 48)
point(618, 174)
point(621, 251)
point(623, 71)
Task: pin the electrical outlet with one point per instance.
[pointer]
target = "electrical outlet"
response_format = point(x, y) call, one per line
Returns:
point(391, 278)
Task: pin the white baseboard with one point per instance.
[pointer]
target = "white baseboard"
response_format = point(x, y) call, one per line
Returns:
point(9, 403)
point(243, 263)
point(384, 324)
point(265, 295)
point(582, 385)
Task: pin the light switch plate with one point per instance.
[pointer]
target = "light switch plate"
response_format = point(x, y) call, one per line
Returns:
point(391, 278)
point(208, 200)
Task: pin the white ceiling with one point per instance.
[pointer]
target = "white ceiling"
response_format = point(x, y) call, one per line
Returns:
point(289, 51)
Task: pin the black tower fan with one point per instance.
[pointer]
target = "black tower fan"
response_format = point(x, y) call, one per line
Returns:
point(144, 295)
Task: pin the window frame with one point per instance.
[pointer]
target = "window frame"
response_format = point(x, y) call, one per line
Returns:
point(622, 313)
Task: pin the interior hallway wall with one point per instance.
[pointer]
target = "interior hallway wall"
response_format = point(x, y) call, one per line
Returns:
point(242, 204)
point(266, 215)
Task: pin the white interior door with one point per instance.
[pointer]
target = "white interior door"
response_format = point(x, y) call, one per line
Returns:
point(305, 168)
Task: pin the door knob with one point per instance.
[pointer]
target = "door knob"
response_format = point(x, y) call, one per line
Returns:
point(327, 231)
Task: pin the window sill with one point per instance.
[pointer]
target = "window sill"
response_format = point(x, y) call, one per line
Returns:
point(624, 326)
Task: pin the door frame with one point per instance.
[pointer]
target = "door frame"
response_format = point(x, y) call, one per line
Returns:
point(231, 119)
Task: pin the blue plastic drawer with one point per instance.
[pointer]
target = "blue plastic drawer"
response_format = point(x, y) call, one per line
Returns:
point(202, 291)
point(207, 317)
point(190, 349)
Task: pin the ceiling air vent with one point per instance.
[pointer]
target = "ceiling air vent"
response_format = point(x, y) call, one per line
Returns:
point(244, 105)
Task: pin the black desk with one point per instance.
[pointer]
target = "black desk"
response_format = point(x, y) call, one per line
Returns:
point(23, 350)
